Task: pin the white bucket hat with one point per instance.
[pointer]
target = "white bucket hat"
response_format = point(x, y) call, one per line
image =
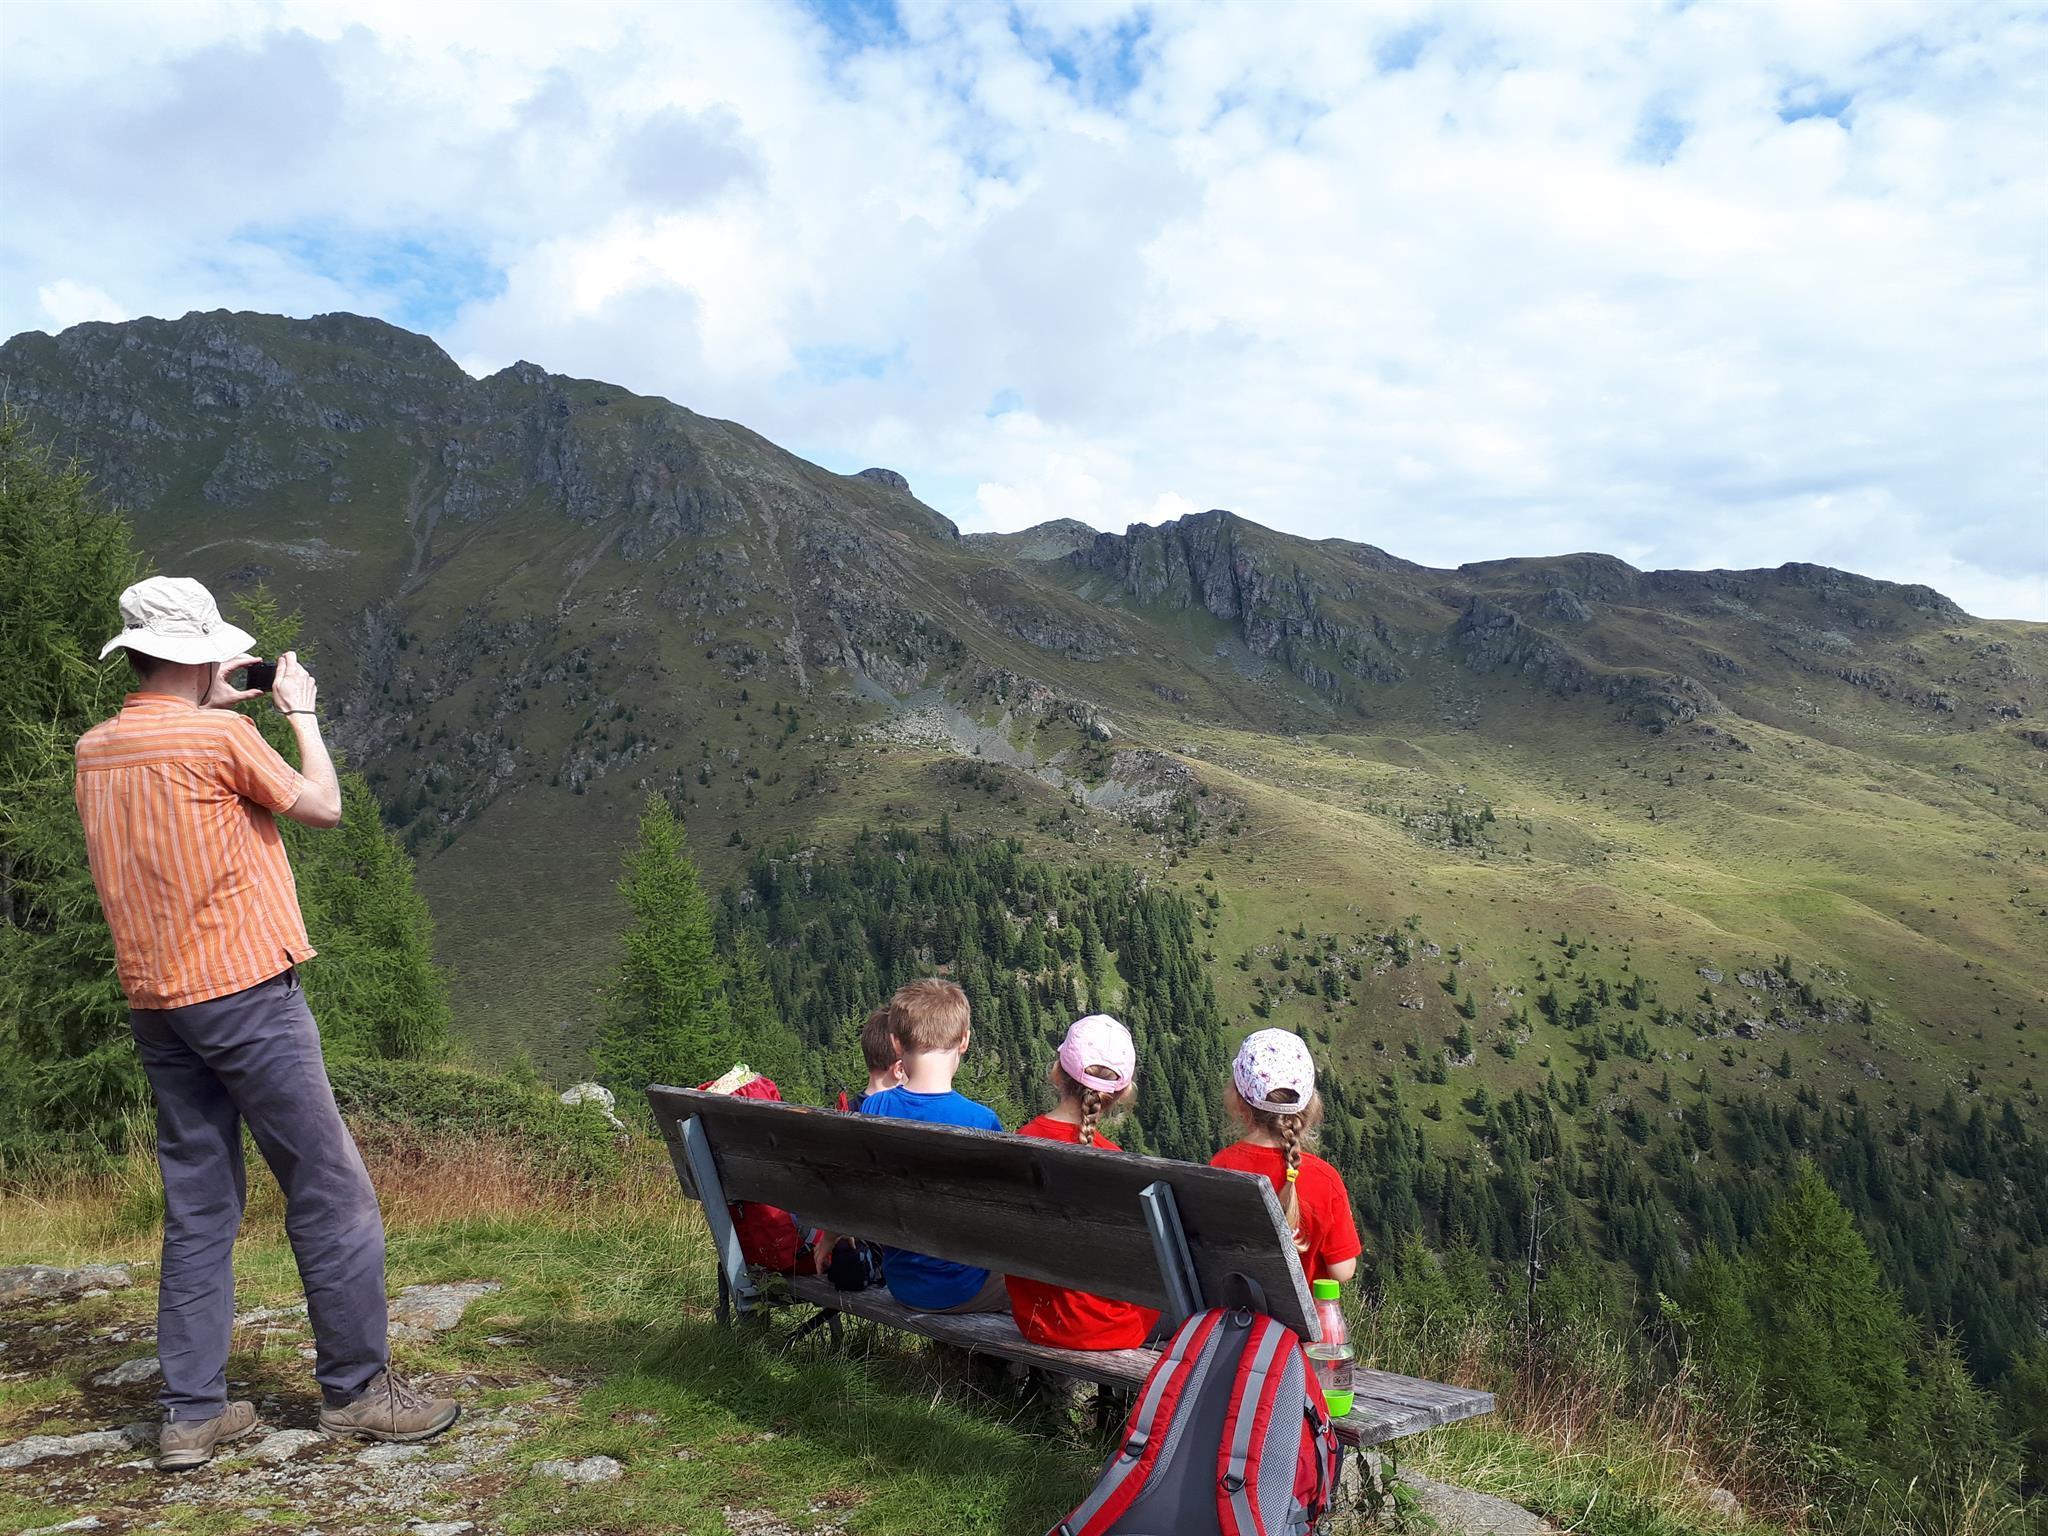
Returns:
point(176, 619)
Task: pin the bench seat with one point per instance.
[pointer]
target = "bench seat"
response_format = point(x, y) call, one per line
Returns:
point(1387, 1406)
point(1162, 1234)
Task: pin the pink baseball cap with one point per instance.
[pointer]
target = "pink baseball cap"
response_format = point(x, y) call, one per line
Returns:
point(1274, 1061)
point(1095, 1045)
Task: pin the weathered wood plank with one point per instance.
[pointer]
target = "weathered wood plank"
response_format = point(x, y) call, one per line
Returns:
point(1046, 1211)
point(1387, 1406)
point(990, 1333)
point(1435, 1401)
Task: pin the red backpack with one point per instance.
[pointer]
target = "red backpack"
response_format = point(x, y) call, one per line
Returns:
point(1229, 1438)
point(767, 1233)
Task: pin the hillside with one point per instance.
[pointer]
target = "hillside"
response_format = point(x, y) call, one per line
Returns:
point(533, 596)
point(1662, 935)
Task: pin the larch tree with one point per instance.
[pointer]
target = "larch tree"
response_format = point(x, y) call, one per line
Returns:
point(1831, 1356)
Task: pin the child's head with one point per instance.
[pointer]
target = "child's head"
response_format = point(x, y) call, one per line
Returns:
point(1273, 1089)
point(878, 1049)
point(1094, 1068)
point(928, 1017)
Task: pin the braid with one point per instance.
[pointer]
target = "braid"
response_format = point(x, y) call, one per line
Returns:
point(1091, 1111)
point(1290, 1203)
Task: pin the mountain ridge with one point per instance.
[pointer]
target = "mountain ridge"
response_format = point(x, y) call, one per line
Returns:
point(537, 598)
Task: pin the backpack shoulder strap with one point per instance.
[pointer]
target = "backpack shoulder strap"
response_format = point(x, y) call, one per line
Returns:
point(1260, 1371)
point(1124, 1478)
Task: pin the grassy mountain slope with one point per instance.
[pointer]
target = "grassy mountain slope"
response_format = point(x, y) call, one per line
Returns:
point(534, 597)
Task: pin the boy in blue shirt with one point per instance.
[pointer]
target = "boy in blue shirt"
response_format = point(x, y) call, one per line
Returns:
point(929, 1021)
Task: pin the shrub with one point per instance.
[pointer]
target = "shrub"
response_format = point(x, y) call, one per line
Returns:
point(406, 1099)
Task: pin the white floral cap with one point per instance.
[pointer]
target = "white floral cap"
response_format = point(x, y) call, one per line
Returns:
point(1274, 1061)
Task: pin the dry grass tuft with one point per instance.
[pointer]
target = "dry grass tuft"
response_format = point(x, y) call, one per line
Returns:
point(421, 1182)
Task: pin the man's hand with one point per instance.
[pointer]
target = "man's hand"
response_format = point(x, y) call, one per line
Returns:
point(294, 688)
point(294, 693)
point(223, 692)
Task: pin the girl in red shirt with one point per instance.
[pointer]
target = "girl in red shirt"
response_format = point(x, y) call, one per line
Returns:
point(1093, 1073)
point(1273, 1095)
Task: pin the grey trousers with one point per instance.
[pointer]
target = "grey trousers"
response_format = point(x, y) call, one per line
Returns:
point(254, 1057)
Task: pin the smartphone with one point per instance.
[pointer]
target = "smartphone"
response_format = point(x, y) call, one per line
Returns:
point(259, 675)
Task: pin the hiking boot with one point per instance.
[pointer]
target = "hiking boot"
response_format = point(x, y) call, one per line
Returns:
point(391, 1410)
point(183, 1443)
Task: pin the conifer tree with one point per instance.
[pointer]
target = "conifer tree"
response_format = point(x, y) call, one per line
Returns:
point(1831, 1356)
point(668, 1020)
point(69, 1078)
point(760, 1034)
point(374, 987)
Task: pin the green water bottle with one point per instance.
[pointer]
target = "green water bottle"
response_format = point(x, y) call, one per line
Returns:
point(1332, 1357)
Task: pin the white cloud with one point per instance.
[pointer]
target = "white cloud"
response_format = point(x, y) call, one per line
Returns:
point(1461, 280)
point(66, 303)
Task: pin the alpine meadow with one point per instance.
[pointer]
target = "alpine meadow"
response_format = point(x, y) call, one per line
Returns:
point(1673, 945)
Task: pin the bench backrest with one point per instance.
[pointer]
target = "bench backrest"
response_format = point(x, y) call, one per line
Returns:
point(1043, 1210)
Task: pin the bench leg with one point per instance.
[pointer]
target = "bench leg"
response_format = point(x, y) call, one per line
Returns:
point(734, 1286)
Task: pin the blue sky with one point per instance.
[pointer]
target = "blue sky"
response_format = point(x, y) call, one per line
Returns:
point(1715, 284)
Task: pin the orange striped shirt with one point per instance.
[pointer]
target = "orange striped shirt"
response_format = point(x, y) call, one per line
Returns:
point(177, 803)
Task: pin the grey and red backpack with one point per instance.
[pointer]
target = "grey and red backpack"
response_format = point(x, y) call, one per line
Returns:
point(1229, 1437)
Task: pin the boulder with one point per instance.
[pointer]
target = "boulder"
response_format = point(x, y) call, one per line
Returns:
point(25, 1453)
point(44, 1282)
point(284, 1444)
point(1460, 1509)
point(601, 1096)
point(591, 1469)
point(378, 1457)
point(130, 1373)
point(421, 1311)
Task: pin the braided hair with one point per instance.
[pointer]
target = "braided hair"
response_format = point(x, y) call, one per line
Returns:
point(1093, 1101)
point(1290, 1131)
point(1292, 1128)
point(1091, 1111)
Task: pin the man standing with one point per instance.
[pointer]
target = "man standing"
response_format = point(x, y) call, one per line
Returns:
point(177, 793)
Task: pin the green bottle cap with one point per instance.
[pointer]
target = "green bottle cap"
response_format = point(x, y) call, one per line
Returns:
point(1326, 1290)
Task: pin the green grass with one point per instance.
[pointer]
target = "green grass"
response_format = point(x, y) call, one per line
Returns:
point(1624, 1485)
point(606, 1301)
point(611, 1292)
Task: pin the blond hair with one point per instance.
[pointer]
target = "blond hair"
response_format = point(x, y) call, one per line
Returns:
point(1292, 1127)
point(878, 1041)
point(929, 1014)
point(1094, 1103)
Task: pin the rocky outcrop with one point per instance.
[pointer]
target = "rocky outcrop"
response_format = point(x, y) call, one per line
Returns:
point(1865, 602)
point(1282, 610)
point(887, 478)
point(1056, 540)
point(1491, 638)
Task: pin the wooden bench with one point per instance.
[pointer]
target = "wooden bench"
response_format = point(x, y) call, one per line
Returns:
point(1145, 1229)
